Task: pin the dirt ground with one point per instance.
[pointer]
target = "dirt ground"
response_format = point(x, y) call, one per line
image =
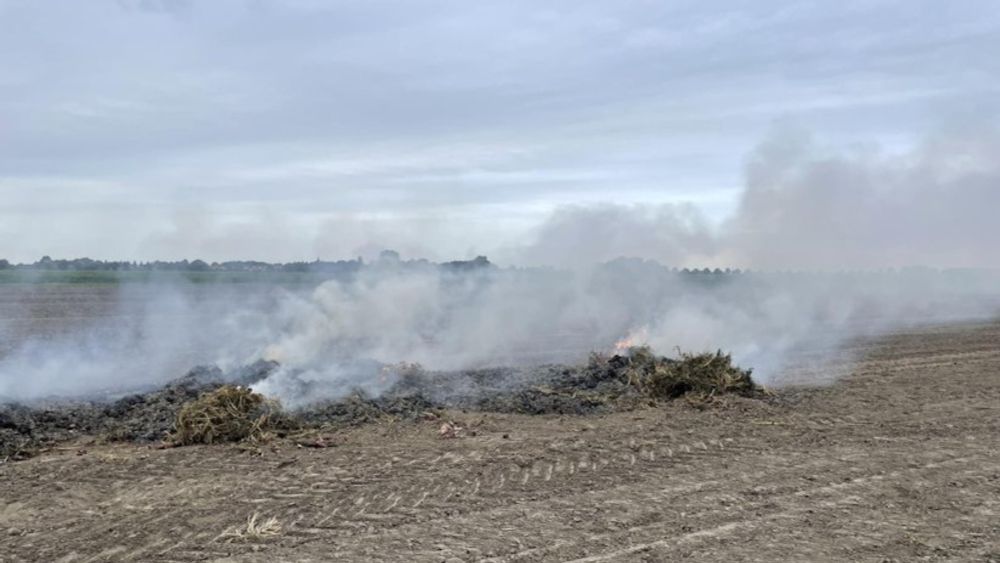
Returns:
point(900, 461)
point(48, 314)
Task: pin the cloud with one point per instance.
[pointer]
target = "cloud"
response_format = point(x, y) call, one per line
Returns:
point(392, 107)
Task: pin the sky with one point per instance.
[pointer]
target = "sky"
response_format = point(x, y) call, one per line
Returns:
point(301, 129)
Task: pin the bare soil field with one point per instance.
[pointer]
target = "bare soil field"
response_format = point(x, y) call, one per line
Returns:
point(899, 461)
point(50, 313)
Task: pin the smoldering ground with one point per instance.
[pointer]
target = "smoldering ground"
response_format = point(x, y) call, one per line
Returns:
point(341, 335)
point(521, 318)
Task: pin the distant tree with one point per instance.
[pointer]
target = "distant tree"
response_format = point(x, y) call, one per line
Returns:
point(4, 265)
point(388, 256)
point(198, 266)
point(477, 263)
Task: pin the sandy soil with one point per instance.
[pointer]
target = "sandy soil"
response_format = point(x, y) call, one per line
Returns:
point(898, 462)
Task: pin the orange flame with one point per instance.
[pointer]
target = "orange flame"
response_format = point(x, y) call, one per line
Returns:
point(624, 344)
point(635, 338)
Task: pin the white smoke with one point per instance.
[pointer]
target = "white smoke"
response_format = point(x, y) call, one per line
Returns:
point(803, 207)
point(811, 208)
point(849, 216)
point(460, 321)
point(74, 341)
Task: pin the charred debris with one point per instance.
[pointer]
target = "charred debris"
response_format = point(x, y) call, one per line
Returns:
point(208, 406)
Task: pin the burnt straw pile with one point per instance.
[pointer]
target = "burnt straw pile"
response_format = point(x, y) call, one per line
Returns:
point(144, 417)
point(208, 406)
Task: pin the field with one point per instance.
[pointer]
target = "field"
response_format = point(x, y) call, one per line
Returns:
point(897, 461)
point(90, 277)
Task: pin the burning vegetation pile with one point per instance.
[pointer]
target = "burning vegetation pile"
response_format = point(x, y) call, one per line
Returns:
point(606, 383)
point(209, 406)
point(699, 377)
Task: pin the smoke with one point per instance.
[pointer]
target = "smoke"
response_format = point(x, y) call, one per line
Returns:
point(810, 208)
point(81, 341)
point(346, 334)
point(582, 236)
point(844, 217)
point(934, 205)
point(804, 207)
point(440, 319)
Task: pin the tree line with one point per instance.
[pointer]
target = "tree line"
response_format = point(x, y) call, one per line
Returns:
point(387, 258)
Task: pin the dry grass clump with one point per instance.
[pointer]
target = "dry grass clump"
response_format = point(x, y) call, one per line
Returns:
point(227, 414)
point(701, 376)
point(255, 529)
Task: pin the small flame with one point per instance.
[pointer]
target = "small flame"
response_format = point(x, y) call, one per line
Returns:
point(624, 344)
point(635, 338)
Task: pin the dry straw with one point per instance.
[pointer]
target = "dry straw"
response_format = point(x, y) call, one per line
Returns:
point(255, 529)
point(702, 375)
point(227, 414)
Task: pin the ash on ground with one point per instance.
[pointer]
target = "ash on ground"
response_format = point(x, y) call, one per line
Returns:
point(605, 383)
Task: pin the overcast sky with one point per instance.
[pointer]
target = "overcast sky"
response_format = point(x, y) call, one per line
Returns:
point(291, 129)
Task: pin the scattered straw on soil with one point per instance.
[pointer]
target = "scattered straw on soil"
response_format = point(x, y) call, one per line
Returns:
point(227, 414)
point(255, 529)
